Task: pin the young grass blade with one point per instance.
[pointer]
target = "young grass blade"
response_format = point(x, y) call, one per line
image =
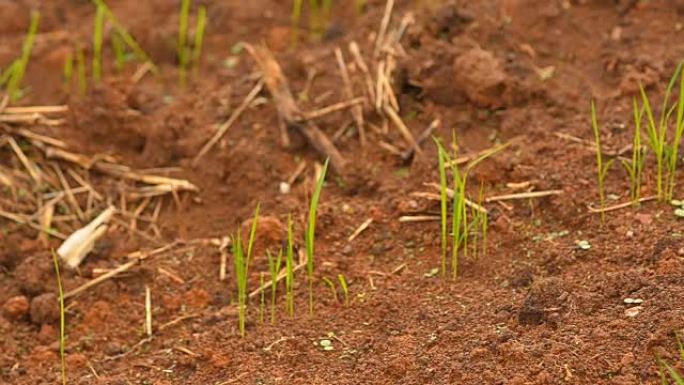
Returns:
point(289, 268)
point(331, 285)
point(483, 220)
point(297, 6)
point(252, 232)
point(679, 130)
point(68, 72)
point(119, 50)
point(262, 304)
point(274, 269)
point(8, 72)
point(199, 39)
point(182, 48)
point(600, 168)
point(98, 30)
point(311, 231)
point(241, 279)
point(62, 339)
point(441, 157)
point(457, 210)
point(81, 71)
point(345, 288)
point(14, 82)
point(359, 5)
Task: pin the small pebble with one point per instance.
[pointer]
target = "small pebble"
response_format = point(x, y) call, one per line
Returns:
point(633, 311)
point(633, 301)
point(16, 308)
point(285, 188)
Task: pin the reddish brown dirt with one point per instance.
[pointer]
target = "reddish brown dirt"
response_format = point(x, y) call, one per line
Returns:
point(535, 310)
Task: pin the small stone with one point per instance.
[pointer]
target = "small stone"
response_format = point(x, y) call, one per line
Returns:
point(633, 301)
point(584, 245)
point(679, 212)
point(633, 311)
point(44, 309)
point(285, 188)
point(16, 308)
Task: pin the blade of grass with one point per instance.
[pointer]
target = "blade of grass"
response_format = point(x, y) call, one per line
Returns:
point(262, 303)
point(119, 49)
point(441, 157)
point(679, 130)
point(98, 30)
point(7, 73)
point(296, 17)
point(81, 71)
point(14, 82)
point(68, 72)
point(199, 39)
point(600, 167)
point(332, 287)
point(182, 49)
point(311, 231)
point(274, 269)
point(289, 268)
point(62, 339)
point(345, 288)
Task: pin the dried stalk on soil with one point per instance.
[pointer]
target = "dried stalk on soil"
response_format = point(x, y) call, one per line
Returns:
point(357, 110)
point(287, 107)
point(79, 244)
point(148, 311)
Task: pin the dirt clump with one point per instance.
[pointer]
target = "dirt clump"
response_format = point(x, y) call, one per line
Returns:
point(16, 307)
point(543, 302)
point(481, 77)
point(44, 309)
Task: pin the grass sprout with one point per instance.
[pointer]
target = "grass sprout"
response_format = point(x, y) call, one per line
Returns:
point(310, 235)
point(332, 287)
point(262, 303)
point(19, 69)
point(98, 31)
point(199, 39)
point(81, 71)
point(442, 159)
point(274, 269)
point(296, 17)
point(7, 73)
point(289, 269)
point(125, 36)
point(345, 288)
point(679, 131)
point(242, 269)
point(119, 49)
point(182, 48)
point(359, 6)
point(68, 71)
point(601, 167)
point(635, 165)
point(62, 338)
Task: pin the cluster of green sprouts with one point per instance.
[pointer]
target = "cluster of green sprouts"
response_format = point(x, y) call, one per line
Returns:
point(189, 55)
point(667, 371)
point(468, 219)
point(242, 259)
point(319, 12)
point(663, 134)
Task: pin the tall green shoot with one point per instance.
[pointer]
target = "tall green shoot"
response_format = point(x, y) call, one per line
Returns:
point(345, 288)
point(119, 49)
point(242, 269)
point(274, 269)
point(458, 212)
point(310, 235)
point(296, 17)
point(635, 165)
point(199, 39)
point(601, 168)
point(81, 71)
point(62, 338)
point(262, 303)
point(182, 49)
point(68, 70)
point(331, 286)
point(679, 131)
point(98, 31)
point(14, 82)
point(442, 159)
point(289, 268)
point(7, 73)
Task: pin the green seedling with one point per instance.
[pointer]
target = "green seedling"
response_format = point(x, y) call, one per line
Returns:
point(359, 6)
point(657, 136)
point(679, 131)
point(125, 36)
point(274, 270)
point(68, 72)
point(309, 238)
point(345, 288)
point(332, 287)
point(242, 269)
point(199, 39)
point(7, 73)
point(442, 159)
point(119, 49)
point(262, 303)
point(182, 49)
point(296, 17)
point(98, 31)
point(14, 81)
point(634, 167)
point(62, 338)
point(601, 167)
point(81, 71)
point(289, 268)
point(483, 220)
